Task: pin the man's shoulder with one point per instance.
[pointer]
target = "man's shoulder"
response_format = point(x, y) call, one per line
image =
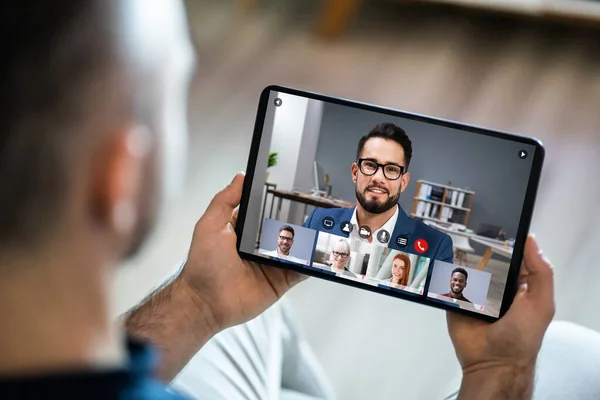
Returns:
point(122, 385)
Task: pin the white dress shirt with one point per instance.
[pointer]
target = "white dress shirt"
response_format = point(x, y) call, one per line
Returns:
point(275, 254)
point(389, 226)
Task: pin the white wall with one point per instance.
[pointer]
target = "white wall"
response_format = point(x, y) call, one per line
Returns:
point(291, 130)
point(252, 222)
point(296, 128)
point(305, 177)
point(288, 127)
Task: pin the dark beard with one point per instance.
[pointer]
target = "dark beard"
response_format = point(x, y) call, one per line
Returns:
point(283, 252)
point(374, 207)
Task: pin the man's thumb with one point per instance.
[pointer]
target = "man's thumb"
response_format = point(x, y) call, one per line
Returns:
point(540, 281)
point(223, 204)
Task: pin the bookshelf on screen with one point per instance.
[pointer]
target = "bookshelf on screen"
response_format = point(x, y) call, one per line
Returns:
point(442, 203)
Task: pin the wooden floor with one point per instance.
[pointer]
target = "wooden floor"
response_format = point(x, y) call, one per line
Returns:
point(532, 80)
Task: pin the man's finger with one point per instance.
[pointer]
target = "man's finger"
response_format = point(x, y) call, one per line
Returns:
point(457, 324)
point(295, 278)
point(282, 279)
point(223, 204)
point(523, 275)
point(540, 281)
point(234, 216)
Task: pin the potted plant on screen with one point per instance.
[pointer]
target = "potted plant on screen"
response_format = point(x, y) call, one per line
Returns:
point(272, 163)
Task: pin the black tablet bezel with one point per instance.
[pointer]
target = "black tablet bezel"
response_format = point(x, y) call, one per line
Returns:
point(524, 224)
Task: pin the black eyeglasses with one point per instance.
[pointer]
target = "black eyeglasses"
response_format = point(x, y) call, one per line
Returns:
point(370, 167)
point(285, 238)
point(343, 255)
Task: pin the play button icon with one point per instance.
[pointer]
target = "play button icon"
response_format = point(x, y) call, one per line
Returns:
point(522, 154)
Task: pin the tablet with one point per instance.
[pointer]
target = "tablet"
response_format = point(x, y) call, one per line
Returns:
point(405, 205)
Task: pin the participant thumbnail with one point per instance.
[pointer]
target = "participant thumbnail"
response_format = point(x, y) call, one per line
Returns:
point(286, 242)
point(403, 271)
point(340, 255)
point(466, 287)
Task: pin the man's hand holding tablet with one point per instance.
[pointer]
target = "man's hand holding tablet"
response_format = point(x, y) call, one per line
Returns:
point(498, 359)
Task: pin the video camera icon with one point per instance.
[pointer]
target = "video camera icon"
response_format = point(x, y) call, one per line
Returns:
point(364, 232)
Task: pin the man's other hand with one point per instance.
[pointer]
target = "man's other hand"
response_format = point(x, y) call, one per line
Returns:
point(498, 358)
point(217, 279)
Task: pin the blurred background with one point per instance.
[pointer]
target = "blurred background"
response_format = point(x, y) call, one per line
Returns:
point(527, 67)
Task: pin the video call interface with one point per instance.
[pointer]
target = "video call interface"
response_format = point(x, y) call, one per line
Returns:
point(407, 206)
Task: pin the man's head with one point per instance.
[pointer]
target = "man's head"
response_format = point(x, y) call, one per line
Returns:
point(285, 240)
point(340, 254)
point(380, 172)
point(92, 126)
point(458, 281)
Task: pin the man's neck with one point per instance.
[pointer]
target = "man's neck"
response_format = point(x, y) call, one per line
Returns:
point(456, 296)
point(55, 316)
point(373, 221)
point(281, 253)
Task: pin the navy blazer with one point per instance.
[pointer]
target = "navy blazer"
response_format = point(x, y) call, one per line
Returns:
point(439, 243)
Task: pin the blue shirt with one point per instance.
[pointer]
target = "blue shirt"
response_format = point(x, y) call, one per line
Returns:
point(133, 382)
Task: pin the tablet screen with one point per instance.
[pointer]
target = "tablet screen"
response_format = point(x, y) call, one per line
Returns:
point(418, 208)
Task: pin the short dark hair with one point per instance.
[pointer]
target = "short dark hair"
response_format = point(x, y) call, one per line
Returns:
point(289, 229)
point(462, 271)
point(58, 67)
point(389, 131)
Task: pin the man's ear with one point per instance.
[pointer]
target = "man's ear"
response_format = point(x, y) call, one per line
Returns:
point(118, 171)
point(354, 170)
point(405, 180)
